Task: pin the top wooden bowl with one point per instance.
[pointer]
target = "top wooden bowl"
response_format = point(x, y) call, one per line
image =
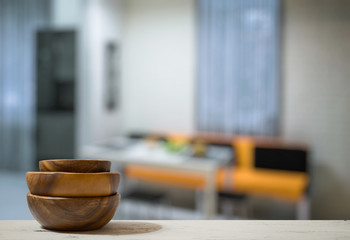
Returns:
point(75, 165)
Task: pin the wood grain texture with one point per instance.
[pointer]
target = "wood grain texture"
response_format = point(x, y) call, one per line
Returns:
point(73, 214)
point(75, 165)
point(188, 230)
point(62, 184)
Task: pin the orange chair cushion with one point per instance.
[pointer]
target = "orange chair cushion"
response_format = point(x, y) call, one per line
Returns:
point(290, 186)
point(162, 176)
point(244, 152)
point(285, 185)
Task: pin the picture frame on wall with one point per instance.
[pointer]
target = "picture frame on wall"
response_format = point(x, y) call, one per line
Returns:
point(112, 75)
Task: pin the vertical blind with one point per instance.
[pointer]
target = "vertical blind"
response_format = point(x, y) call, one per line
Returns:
point(19, 20)
point(238, 66)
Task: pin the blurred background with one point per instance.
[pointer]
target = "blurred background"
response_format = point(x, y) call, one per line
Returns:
point(211, 109)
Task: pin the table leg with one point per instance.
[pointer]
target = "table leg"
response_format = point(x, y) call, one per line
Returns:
point(210, 197)
point(303, 208)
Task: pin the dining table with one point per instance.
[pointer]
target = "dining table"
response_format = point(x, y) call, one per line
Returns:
point(123, 151)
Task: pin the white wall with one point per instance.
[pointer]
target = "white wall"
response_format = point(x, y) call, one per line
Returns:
point(159, 65)
point(101, 25)
point(316, 96)
point(66, 13)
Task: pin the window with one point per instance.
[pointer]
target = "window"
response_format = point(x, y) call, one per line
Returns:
point(238, 66)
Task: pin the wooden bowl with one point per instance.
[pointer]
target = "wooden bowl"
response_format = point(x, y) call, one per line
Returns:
point(62, 184)
point(58, 213)
point(75, 165)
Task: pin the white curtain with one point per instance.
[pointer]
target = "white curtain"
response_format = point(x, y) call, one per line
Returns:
point(19, 20)
point(238, 71)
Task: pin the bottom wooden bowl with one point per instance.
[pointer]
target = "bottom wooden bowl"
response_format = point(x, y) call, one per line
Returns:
point(78, 214)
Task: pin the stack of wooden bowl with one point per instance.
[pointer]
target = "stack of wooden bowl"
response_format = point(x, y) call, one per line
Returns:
point(73, 194)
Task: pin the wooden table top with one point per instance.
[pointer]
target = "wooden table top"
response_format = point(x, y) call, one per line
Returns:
point(139, 153)
point(205, 229)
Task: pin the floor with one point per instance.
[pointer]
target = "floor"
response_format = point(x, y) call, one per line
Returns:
point(13, 191)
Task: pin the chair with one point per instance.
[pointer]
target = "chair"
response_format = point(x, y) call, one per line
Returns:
point(269, 168)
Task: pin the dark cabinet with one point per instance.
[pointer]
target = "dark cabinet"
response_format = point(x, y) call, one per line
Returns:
point(56, 87)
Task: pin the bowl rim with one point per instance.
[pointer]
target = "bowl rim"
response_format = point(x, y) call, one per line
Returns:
point(71, 173)
point(73, 160)
point(29, 194)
